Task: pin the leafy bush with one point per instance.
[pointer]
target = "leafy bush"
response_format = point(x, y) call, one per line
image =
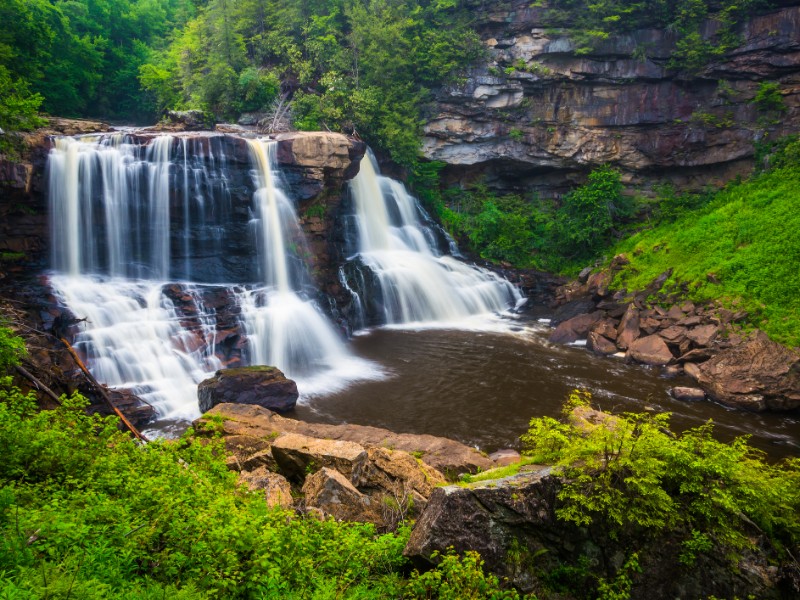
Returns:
point(12, 348)
point(87, 513)
point(634, 478)
point(585, 222)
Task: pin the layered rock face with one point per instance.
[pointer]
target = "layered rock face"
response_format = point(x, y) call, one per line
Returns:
point(536, 116)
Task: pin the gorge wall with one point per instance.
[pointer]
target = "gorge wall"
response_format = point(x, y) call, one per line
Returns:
point(536, 116)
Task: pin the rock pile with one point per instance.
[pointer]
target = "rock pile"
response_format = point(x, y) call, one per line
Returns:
point(350, 472)
point(705, 342)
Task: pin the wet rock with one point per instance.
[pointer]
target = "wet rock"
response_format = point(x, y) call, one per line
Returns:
point(446, 456)
point(260, 385)
point(704, 335)
point(650, 350)
point(600, 344)
point(138, 411)
point(297, 455)
point(583, 276)
point(688, 394)
point(572, 309)
point(758, 374)
point(574, 329)
point(628, 329)
point(276, 489)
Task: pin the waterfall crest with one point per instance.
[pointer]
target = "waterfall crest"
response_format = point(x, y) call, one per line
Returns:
point(416, 283)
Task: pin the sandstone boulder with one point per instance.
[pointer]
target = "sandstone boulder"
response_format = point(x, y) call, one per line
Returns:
point(260, 385)
point(298, 455)
point(575, 329)
point(650, 350)
point(276, 489)
point(446, 456)
point(331, 492)
point(758, 374)
point(628, 329)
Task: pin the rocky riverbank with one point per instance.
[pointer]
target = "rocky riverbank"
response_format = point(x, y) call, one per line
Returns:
point(731, 363)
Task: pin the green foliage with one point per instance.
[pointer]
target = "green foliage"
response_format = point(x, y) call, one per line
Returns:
point(631, 477)
point(83, 57)
point(745, 235)
point(595, 21)
point(458, 579)
point(12, 348)
point(85, 512)
point(769, 102)
point(348, 65)
point(585, 222)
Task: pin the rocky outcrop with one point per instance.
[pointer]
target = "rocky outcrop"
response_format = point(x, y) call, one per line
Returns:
point(348, 480)
point(260, 385)
point(535, 115)
point(248, 424)
point(705, 342)
point(758, 374)
point(511, 523)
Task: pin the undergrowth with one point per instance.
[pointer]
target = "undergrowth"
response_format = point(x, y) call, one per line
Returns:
point(87, 513)
point(740, 249)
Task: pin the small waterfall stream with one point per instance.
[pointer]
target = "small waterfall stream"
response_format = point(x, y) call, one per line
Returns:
point(417, 284)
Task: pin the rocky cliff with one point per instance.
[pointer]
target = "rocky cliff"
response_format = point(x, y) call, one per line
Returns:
point(537, 116)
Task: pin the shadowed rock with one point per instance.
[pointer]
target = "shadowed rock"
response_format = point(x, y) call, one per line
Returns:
point(260, 385)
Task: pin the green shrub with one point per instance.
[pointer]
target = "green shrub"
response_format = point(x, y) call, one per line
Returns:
point(633, 478)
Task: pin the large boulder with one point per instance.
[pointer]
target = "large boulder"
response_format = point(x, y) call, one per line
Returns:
point(275, 487)
point(650, 350)
point(575, 329)
point(334, 494)
point(758, 374)
point(298, 455)
point(628, 329)
point(511, 523)
point(260, 385)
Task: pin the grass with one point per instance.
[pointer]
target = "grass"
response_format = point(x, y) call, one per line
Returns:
point(746, 238)
point(498, 473)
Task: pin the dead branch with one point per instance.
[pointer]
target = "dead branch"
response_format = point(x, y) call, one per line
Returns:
point(136, 433)
point(38, 384)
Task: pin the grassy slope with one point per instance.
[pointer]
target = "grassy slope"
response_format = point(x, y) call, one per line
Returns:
point(748, 237)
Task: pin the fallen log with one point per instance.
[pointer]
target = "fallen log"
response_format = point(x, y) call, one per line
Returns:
point(38, 384)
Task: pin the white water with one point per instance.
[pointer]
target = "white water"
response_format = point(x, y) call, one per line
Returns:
point(284, 329)
point(419, 286)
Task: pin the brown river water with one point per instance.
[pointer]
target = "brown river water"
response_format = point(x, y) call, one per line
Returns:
point(483, 387)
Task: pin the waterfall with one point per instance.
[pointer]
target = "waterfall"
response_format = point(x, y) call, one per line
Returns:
point(149, 249)
point(284, 329)
point(416, 283)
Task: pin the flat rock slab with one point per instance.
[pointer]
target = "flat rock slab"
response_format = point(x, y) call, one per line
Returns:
point(298, 454)
point(448, 456)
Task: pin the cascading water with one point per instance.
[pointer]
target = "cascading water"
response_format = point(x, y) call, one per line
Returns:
point(130, 214)
point(284, 329)
point(110, 207)
point(416, 284)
